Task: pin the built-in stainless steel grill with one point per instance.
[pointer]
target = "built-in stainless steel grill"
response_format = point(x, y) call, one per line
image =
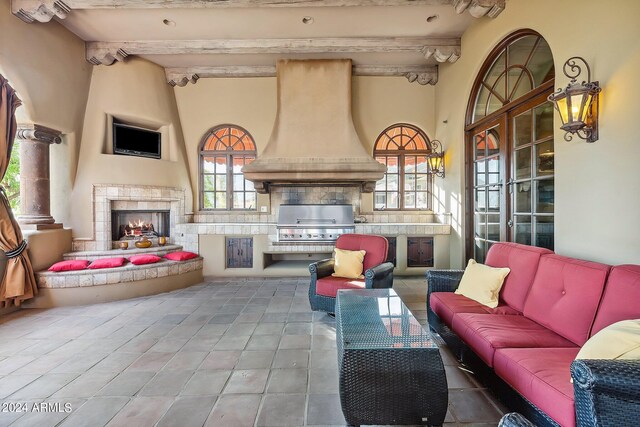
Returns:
point(314, 223)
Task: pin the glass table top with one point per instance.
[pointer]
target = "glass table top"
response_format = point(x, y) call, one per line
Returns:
point(377, 319)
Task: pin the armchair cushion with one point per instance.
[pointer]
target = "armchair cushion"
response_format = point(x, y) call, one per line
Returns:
point(542, 375)
point(348, 264)
point(329, 286)
point(375, 246)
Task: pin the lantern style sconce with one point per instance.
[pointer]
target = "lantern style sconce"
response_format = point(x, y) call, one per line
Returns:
point(436, 159)
point(578, 103)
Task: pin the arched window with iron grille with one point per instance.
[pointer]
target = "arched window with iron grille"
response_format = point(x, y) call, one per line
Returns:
point(407, 184)
point(224, 150)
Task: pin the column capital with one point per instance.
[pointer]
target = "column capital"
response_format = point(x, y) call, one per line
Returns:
point(38, 133)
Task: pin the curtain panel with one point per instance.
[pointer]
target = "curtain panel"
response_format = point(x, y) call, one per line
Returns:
point(18, 283)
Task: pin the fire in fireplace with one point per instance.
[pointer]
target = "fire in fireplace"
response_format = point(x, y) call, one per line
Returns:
point(134, 224)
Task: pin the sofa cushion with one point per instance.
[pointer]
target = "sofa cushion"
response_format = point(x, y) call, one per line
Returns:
point(376, 247)
point(482, 283)
point(181, 256)
point(523, 261)
point(107, 263)
point(348, 264)
point(620, 299)
point(542, 375)
point(446, 304)
point(485, 333)
point(329, 286)
point(565, 295)
point(69, 265)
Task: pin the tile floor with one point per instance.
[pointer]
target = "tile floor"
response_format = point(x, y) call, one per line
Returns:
point(223, 353)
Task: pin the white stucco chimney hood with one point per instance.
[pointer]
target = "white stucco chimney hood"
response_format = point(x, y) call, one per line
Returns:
point(313, 139)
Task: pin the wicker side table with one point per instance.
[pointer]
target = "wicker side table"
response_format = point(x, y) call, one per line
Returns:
point(391, 371)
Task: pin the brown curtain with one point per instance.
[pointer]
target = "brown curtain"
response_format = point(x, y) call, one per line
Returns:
point(18, 283)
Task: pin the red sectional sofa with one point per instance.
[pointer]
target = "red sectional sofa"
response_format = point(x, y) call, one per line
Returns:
point(549, 307)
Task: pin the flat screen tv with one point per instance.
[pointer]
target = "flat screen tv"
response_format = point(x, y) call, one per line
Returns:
point(134, 141)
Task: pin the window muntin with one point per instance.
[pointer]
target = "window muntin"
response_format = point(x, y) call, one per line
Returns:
point(225, 150)
point(407, 183)
point(519, 67)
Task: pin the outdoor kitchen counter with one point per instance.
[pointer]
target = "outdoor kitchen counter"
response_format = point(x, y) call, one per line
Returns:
point(271, 258)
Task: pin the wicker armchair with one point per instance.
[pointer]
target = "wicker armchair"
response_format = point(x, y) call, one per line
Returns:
point(377, 274)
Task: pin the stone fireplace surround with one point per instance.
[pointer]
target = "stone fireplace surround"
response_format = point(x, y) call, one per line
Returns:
point(106, 197)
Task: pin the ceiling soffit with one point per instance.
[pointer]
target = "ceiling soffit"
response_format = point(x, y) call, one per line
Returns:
point(247, 55)
point(44, 10)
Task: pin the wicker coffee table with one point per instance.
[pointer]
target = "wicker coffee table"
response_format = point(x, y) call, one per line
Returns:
point(391, 371)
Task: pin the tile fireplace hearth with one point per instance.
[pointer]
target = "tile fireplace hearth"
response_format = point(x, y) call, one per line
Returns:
point(109, 198)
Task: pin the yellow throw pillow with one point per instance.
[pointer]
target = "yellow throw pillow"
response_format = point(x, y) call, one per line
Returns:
point(482, 283)
point(618, 341)
point(348, 264)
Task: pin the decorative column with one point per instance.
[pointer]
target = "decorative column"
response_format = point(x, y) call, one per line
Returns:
point(35, 191)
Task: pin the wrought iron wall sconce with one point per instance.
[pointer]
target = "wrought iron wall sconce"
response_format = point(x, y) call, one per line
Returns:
point(578, 102)
point(436, 159)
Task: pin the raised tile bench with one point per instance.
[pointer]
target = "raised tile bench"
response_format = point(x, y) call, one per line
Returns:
point(110, 284)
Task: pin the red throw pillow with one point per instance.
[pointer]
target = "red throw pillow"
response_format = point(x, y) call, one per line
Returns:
point(144, 259)
point(70, 265)
point(181, 256)
point(108, 263)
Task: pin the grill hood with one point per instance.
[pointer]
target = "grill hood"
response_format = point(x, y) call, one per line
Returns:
point(313, 139)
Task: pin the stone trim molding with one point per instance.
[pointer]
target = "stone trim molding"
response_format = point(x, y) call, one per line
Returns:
point(440, 49)
point(414, 73)
point(480, 8)
point(442, 54)
point(44, 10)
point(39, 10)
point(38, 133)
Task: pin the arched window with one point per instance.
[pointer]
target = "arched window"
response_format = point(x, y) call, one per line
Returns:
point(224, 150)
point(510, 149)
point(407, 184)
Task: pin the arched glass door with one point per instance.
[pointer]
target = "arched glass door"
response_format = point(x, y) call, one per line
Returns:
point(510, 152)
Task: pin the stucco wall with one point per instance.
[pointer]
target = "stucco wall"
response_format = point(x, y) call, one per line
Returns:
point(597, 199)
point(46, 65)
point(137, 92)
point(251, 103)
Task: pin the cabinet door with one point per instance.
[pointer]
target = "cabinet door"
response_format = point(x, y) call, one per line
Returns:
point(420, 252)
point(246, 252)
point(413, 252)
point(426, 251)
point(233, 252)
point(239, 252)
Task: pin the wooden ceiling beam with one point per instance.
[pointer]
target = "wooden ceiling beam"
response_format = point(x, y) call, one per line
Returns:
point(414, 73)
point(45, 10)
point(440, 49)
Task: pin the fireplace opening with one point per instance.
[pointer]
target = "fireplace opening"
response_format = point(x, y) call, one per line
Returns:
point(134, 224)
